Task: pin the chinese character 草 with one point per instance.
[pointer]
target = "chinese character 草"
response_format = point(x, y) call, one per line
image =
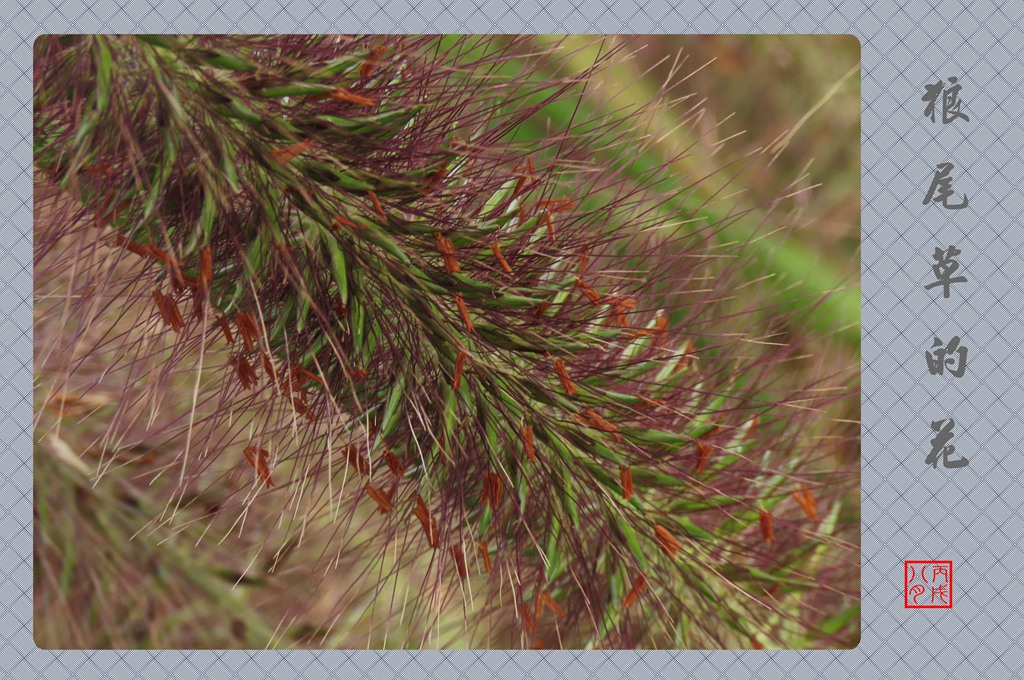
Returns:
point(944, 268)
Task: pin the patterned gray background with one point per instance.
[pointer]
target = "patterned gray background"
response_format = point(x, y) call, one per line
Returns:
point(972, 516)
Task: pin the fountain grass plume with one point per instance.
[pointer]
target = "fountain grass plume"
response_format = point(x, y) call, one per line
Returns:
point(441, 348)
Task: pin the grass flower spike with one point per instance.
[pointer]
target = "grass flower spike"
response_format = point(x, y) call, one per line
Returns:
point(461, 361)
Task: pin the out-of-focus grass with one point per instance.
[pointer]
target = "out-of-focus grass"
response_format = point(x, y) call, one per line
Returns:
point(789, 105)
point(101, 582)
point(782, 111)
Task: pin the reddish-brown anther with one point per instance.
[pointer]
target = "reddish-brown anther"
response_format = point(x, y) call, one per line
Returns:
point(529, 174)
point(447, 250)
point(704, 451)
point(248, 329)
point(527, 433)
point(805, 499)
point(373, 427)
point(287, 154)
point(159, 254)
point(582, 262)
point(620, 309)
point(428, 522)
point(485, 553)
point(300, 376)
point(496, 249)
point(370, 64)
point(132, 246)
point(529, 622)
point(626, 479)
point(357, 374)
point(435, 180)
point(339, 307)
point(340, 221)
point(660, 329)
point(198, 303)
point(545, 599)
point(491, 489)
point(648, 403)
point(396, 466)
point(558, 205)
point(460, 561)
point(169, 311)
point(592, 419)
point(767, 523)
point(549, 223)
point(460, 365)
point(225, 328)
point(177, 276)
point(98, 169)
point(464, 313)
point(341, 94)
point(268, 365)
point(376, 205)
point(357, 459)
point(301, 407)
point(205, 267)
point(258, 459)
point(686, 357)
point(563, 377)
point(666, 541)
point(715, 429)
point(639, 586)
point(382, 500)
point(588, 291)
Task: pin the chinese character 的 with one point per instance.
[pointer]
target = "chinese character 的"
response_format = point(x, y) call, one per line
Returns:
point(950, 101)
point(941, 446)
point(944, 268)
point(952, 356)
point(941, 189)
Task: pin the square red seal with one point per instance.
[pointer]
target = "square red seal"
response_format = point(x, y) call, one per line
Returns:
point(928, 584)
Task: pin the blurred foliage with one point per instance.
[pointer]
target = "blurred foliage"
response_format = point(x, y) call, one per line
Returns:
point(764, 86)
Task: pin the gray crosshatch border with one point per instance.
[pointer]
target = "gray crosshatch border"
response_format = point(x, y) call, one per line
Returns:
point(972, 516)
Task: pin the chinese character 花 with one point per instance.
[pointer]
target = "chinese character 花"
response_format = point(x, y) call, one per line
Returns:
point(941, 446)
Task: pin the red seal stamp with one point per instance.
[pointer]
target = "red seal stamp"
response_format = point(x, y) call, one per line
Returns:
point(928, 584)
